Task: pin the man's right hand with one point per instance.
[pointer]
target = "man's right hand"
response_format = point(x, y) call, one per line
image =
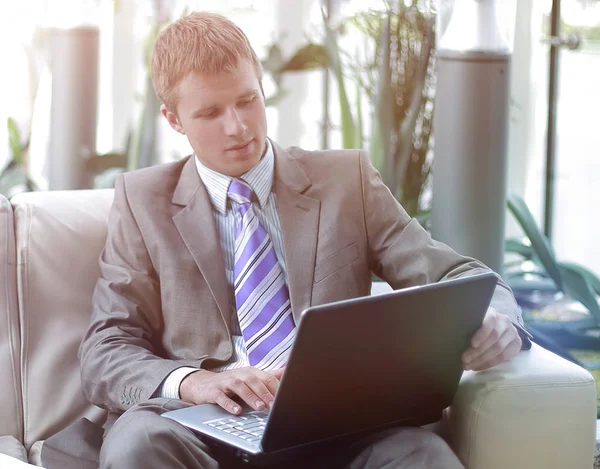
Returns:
point(255, 387)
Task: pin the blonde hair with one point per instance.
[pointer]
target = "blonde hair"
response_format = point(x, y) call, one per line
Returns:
point(202, 42)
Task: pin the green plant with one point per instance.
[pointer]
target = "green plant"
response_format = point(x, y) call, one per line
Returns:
point(397, 77)
point(534, 250)
point(573, 338)
point(310, 56)
point(14, 177)
point(536, 259)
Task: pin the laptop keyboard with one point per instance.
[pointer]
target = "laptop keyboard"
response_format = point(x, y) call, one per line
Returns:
point(248, 427)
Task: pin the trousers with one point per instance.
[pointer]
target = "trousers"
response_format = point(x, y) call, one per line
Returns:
point(141, 438)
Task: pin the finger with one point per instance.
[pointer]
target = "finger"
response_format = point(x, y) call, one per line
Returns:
point(468, 356)
point(277, 373)
point(474, 353)
point(259, 387)
point(509, 352)
point(240, 388)
point(502, 324)
point(271, 381)
point(488, 325)
point(228, 404)
point(494, 350)
point(484, 355)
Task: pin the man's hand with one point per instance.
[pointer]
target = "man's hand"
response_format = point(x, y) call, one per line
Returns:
point(255, 387)
point(495, 342)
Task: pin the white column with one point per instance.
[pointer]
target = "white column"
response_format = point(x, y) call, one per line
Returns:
point(124, 68)
point(521, 144)
point(292, 19)
point(73, 111)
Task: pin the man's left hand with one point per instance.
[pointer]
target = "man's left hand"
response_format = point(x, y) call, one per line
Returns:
point(495, 342)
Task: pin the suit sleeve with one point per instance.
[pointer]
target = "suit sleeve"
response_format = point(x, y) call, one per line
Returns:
point(120, 353)
point(403, 254)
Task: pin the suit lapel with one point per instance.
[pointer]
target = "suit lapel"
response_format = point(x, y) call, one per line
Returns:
point(299, 219)
point(196, 225)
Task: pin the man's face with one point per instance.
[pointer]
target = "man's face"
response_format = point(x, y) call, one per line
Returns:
point(224, 119)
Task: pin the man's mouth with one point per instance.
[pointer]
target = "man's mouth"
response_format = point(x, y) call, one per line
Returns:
point(239, 147)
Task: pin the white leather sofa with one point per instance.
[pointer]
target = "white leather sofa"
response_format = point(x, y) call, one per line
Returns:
point(536, 412)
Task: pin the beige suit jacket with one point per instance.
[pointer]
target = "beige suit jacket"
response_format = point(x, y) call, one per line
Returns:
point(162, 300)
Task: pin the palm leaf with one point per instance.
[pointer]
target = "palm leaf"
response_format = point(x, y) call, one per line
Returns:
point(333, 51)
point(274, 61)
point(512, 264)
point(276, 98)
point(14, 141)
point(384, 108)
point(101, 162)
point(13, 180)
point(310, 57)
point(593, 280)
point(578, 287)
point(423, 217)
point(358, 140)
point(519, 246)
point(539, 242)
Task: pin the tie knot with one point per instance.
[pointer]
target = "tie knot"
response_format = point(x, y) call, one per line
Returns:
point(240, 191)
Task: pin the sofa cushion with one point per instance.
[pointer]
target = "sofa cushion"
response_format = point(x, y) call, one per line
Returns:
point(12, 447)
point(11, 415)
point(59, 237)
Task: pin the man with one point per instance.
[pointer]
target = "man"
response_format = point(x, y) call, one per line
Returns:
point(210, 261)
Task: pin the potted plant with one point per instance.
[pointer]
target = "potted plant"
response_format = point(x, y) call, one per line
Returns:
point(559, 299)
point(395, 77)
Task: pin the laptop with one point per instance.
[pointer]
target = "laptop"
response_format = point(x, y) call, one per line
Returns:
point(357, 366)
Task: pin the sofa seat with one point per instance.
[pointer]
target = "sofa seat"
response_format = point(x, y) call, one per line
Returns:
point(8, 462)
point(537, 411)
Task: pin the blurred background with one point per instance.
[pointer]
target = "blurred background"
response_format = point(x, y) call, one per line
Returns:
point(77, 106)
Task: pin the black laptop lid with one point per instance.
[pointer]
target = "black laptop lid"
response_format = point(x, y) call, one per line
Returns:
point(373, 361)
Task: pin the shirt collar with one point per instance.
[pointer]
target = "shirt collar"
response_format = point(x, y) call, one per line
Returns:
point(259, 178)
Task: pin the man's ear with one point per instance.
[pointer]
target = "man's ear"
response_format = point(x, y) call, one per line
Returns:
point(172, 119)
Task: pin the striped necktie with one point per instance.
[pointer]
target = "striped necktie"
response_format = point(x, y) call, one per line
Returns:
point(261, 294)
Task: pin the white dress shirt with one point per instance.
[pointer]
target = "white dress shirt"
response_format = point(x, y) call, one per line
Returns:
point(227, 216)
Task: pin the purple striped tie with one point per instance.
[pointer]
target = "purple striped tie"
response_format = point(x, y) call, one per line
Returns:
point(261, 294)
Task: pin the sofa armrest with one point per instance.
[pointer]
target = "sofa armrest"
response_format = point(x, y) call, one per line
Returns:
point(537, 411)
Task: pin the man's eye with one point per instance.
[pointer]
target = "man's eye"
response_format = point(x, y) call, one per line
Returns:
point(208, 115)
point(248, 100)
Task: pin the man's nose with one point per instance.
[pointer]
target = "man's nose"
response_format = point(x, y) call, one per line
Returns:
point(233, 124)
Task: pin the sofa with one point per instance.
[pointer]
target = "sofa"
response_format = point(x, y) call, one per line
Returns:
point(537, 411)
